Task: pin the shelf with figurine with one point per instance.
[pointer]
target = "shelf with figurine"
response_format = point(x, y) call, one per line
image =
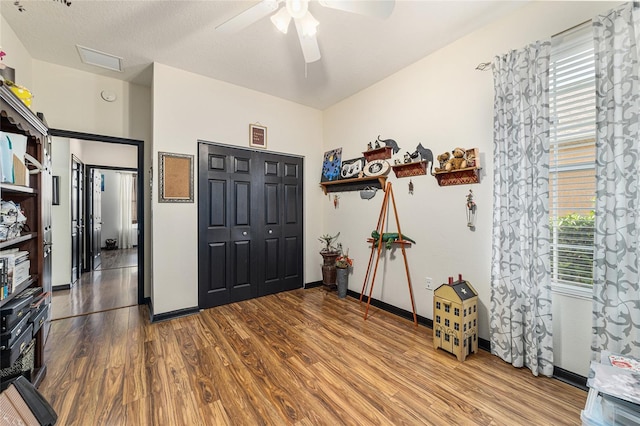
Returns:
point(381, 149)
point(460, 167)
point(414, 164)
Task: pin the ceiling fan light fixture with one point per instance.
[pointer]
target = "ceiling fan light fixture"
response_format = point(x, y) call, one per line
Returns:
point(281, 20)
point(297, 8)
point(309, 25)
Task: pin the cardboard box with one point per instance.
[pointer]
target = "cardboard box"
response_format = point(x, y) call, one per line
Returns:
point(20, 172)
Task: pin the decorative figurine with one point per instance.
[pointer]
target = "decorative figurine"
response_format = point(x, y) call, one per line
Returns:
point(407, 158)
point(390, 142)
point(410, 187)
point(377, 144)
point(471, 211)
point(369, 146)
point(335, 201)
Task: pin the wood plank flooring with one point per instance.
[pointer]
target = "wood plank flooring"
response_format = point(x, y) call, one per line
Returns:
point(120, 258)
point(303, 357)
point(97, 291)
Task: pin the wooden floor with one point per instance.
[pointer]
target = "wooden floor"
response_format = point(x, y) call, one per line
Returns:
point(97, 291)
point(302, 357)
point(120, 258)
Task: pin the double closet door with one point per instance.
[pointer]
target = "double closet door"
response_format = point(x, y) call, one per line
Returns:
point(249, 224)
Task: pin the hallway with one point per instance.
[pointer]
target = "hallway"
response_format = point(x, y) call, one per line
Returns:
point(114, 285)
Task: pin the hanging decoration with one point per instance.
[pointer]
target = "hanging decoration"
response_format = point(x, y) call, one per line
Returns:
point(336, 202)
point(410, 187)
point(471, 211)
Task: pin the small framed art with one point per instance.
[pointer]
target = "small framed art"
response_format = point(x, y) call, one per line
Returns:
point(176, 178)
point(257, 136)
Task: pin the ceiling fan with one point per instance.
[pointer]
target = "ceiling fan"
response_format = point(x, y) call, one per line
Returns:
point(306, 24)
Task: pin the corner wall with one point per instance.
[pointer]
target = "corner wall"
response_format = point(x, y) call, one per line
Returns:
point(443, 102)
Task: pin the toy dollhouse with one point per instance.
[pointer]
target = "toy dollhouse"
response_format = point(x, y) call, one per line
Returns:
point(455, 324)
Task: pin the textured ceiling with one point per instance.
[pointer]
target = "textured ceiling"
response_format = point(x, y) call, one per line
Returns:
point(357, 51)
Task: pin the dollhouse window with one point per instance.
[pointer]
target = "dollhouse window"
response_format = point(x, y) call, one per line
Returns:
point(438, 319)
point(456, 341)
point(456, 326)
point(446, 322)
point(474, 308)
point(437, 305)
point(437, 333)
point(447, 308)
point(465, 327)
point(447, 337)
point(474, 323)
point(465, 312)
point(456, 312)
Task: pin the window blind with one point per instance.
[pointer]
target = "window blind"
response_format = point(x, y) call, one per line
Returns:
point(572, 157)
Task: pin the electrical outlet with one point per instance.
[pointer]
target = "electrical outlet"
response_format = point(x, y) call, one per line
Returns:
point(429, 283)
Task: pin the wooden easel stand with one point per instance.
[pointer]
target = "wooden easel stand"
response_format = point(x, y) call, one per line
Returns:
point(388, 194)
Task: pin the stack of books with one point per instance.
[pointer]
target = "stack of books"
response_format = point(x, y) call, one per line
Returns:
point(14, 270)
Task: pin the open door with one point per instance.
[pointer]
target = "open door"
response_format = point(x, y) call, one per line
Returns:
point(94, 214)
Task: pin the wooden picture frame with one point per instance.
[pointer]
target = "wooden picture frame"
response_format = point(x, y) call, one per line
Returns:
point(175, 176)
point(257, 136)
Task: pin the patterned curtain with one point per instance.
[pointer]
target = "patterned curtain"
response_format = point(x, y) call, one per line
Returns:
point(616, 291)
point(520, 323)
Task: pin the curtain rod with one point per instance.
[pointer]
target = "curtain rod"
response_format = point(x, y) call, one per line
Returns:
point(486, 66)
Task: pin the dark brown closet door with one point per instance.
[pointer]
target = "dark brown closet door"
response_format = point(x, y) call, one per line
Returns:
point(250, 239)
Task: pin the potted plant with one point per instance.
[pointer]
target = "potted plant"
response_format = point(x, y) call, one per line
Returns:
point(343, 263)
point(329, 255)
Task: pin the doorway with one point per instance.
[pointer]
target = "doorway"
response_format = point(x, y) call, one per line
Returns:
point(249, 222)
point(88, 277)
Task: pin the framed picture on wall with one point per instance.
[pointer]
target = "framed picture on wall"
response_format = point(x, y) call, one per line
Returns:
point(331, 165)
point(176, 178)
point(257, 136)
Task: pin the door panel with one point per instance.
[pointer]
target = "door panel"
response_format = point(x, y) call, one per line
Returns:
point(250, 224)
point(94, 215)
point(227, 273)
point(75, 222)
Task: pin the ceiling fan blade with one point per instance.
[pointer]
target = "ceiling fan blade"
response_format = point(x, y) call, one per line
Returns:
point(308, 43)
point(248, 17)
point(376, 8)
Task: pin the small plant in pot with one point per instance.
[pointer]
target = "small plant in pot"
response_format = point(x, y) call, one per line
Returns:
point(343, 263)
point(329, 255)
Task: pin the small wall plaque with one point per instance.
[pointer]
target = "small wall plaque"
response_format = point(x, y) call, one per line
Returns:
point(257, 136)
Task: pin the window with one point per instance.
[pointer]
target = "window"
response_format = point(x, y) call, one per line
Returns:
point(437, 333)
point(456, 312)
point(447, 308)
point(456, 326)
point(572, 157)
point(437, 305)
point(456, 341)
point(438, 319)
point(446, 322)
point(447, 337)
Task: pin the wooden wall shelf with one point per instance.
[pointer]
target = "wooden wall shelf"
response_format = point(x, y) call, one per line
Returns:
point(356, 184)
point(416, 168)
point(458, 177)
point(382, 153)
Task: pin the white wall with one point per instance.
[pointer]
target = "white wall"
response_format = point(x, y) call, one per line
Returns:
point(107, 154)
point(221, 113)
point(443, 102)
point(61, 214)
point(17, 56)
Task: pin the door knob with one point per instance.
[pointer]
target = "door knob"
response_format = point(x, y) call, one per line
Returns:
point(270, 231)
point(244, 233)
